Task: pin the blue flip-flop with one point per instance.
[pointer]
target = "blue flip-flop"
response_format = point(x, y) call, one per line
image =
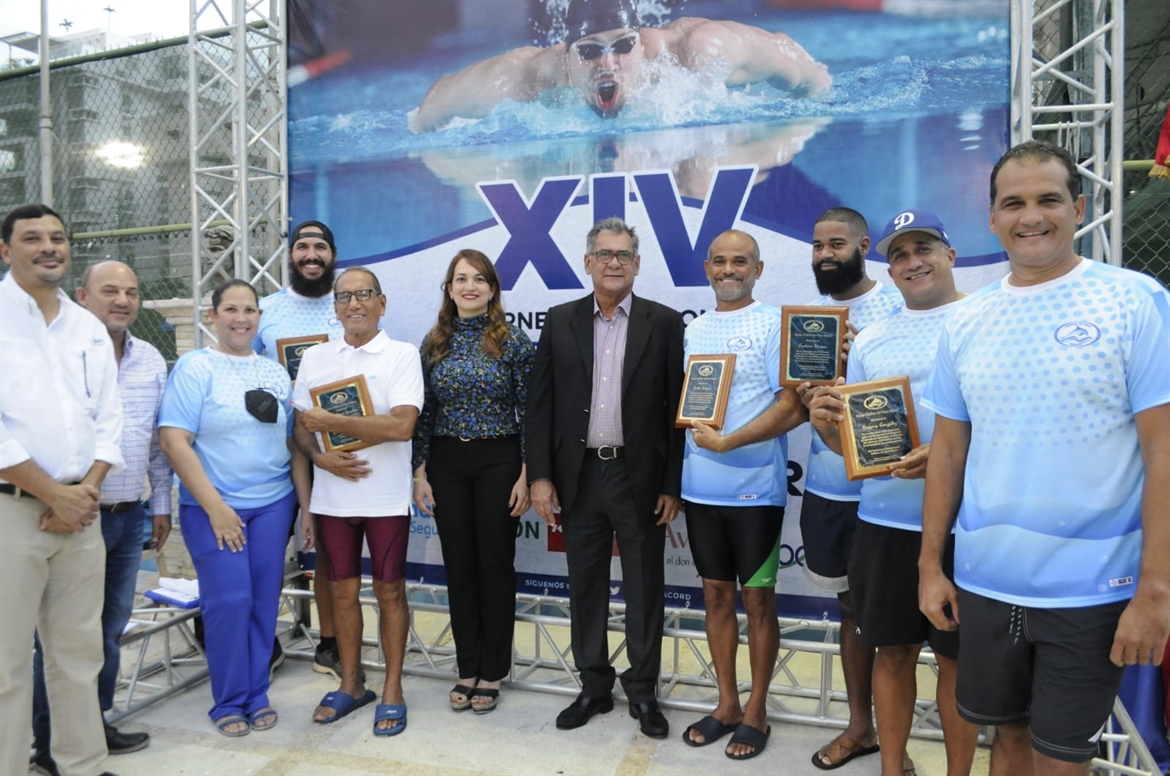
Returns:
point(395, 712)
point(222, 724)
point(266, 713)
point(344, 704)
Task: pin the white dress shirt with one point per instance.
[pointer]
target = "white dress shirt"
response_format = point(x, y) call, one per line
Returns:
point(59, 399)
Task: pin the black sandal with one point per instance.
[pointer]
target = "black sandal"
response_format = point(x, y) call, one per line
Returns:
point(483, 692)
point(466, 692)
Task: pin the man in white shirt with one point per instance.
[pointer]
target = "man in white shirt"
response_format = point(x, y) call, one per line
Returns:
point(370, 502)
point(60, 431)
point(109, 290)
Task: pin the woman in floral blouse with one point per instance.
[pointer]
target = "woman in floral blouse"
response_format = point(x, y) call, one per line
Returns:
point(469, 468)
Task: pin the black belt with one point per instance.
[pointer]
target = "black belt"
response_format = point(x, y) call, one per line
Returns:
point(120, 507)
point(12, 490)
point(607, 452)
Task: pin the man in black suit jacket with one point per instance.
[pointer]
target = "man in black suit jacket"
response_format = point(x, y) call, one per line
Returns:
point(602, 448)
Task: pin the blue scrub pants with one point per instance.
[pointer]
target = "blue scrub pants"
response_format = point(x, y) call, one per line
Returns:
point(239, 595)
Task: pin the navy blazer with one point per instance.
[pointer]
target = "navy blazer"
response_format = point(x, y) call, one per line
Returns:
point(560, 393)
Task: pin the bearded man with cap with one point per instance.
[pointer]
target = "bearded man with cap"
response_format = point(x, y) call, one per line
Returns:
point(602, 57)
point(305, 308)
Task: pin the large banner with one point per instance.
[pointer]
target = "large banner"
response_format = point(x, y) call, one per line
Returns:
point(421, 127)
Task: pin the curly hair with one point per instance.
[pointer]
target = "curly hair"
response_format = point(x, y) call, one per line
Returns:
point(438, 340)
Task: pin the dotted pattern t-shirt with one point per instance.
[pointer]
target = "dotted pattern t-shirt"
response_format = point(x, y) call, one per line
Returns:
point(826, 469)
point(902, 345)
point(1050, 377)
point(756, 474)
point(247, 461)
point(288, 314)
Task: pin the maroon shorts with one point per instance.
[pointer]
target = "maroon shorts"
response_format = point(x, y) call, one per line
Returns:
point(340, 540)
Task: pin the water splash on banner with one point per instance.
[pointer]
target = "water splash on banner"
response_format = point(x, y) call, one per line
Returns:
point(881, 67)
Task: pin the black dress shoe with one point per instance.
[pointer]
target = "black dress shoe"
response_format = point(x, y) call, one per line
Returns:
point(125, 743)
point(43, 765)
point(650, 719)
point(579, 712)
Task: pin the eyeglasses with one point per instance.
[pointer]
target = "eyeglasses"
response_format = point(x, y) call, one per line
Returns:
point(362, 294)
point(605, 257)
point(589, 51)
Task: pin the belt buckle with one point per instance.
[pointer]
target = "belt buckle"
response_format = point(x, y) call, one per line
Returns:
point(602, 450)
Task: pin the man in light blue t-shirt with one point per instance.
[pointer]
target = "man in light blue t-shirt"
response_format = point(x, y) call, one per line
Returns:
point(828, 511)
point(883, 564)
point(1051, 458)
point(306, 309)
point(735, 488)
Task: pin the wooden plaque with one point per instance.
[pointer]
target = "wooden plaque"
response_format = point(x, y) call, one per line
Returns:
point(350, 396)
point(879, 426)
point(811, 338)
point(706, 390)
point(290, 350)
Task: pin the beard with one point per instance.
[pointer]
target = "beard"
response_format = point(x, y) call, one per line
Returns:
point(314, 289)
point(844, 277)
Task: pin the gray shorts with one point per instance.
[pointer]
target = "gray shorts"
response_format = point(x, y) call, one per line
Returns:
point(1045, 668)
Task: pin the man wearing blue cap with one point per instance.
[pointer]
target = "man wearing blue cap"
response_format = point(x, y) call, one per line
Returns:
point(602, 57)
point(883, 566)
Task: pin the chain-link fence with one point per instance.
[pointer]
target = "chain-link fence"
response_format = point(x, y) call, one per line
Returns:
point(121, 173)
point(1145, 200)
point(1147, 92)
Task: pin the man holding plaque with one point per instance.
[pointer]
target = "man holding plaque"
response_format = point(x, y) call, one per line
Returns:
point(60, 434)
point(828, 511)
point(1051, 458)
point(294, 319)
point(883, 573)
point(369, 367)
point(735, 487)
point(602, 449)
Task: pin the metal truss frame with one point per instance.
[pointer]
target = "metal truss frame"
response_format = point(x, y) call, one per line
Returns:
point(159, 670)
point(1068, 71)
point(542, 656)
point(237, 96)
point(542, 662)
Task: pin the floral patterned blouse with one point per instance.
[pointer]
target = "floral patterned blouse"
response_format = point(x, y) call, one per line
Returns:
point(471, 395)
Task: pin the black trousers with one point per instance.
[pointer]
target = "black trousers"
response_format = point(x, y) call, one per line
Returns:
point(472, 482)
point(605, 507)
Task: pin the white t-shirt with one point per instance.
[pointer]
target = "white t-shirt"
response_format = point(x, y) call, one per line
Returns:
point(394, 376)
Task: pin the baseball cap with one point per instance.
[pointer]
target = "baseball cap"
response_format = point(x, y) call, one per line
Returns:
point(313, 229)
point(912, 221)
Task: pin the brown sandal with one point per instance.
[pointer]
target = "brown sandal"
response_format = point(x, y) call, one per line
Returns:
point(839, 751)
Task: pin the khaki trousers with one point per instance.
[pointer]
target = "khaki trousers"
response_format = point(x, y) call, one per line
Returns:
point(54, 584)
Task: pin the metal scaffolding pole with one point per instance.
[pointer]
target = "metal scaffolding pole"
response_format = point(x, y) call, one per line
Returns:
point(237, 98)
point(1068, 74)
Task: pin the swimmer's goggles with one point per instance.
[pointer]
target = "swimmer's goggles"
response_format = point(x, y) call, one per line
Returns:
point(589, 51)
